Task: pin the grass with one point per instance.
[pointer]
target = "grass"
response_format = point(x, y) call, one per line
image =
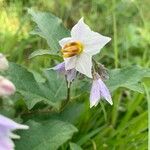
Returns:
point(123, 126)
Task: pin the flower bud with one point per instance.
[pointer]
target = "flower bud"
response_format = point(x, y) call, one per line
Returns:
point(102, 71)
point(7, 88)
point(3, 63)
point(70, 74)
point(99, 90)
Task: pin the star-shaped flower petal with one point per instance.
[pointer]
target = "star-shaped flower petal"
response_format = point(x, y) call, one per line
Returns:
point(81, 46)
point(6, 127)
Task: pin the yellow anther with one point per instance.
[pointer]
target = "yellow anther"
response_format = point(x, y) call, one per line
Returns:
point(72, 49)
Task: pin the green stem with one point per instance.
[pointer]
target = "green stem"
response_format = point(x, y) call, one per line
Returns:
point(115, 34)
point(1, 101)
point(64, 104)
point(68, 93)
point(115, 113)
point(148, 101)
point(140, 12)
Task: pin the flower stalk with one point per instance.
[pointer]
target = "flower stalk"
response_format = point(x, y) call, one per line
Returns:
point(68, 98)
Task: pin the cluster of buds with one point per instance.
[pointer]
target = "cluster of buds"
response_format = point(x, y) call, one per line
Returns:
point(78, 51)
point(7, 125)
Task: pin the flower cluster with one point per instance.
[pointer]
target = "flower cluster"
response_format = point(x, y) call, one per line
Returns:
point(77, 52)
point(7, 125)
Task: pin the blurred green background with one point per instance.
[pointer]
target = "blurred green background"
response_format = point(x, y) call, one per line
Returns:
point(127, 22)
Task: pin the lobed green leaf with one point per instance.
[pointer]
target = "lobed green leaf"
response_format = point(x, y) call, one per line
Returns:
point(50, 27)
point(48, 135)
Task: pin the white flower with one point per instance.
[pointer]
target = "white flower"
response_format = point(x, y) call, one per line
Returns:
point(81, 46)
point(3, 63)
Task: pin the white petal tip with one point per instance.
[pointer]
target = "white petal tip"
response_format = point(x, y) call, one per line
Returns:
point(109, 39)
point(14, 136)
point(82, 19)
point(110, 102)
point(93, 104)
point(25, 127)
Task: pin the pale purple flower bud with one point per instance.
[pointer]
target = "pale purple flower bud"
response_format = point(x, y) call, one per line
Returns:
point(60, 68)
point(7, 88)
point(70, 74)
point(98, 91)
point(3, 63)
point(6, 127)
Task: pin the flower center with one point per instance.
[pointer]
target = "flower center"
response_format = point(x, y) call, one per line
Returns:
point(72, 49)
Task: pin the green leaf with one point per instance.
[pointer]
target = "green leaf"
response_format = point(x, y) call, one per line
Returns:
point(50, 27)
point(76, 91)
point(74, 146)
point(25, 84)
point(45, 52)
point(129, 77)
point(71, 114)
point(135, 87)
point(37, 31)
point(55, 86)
point(33, 91)
point(49, 135)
